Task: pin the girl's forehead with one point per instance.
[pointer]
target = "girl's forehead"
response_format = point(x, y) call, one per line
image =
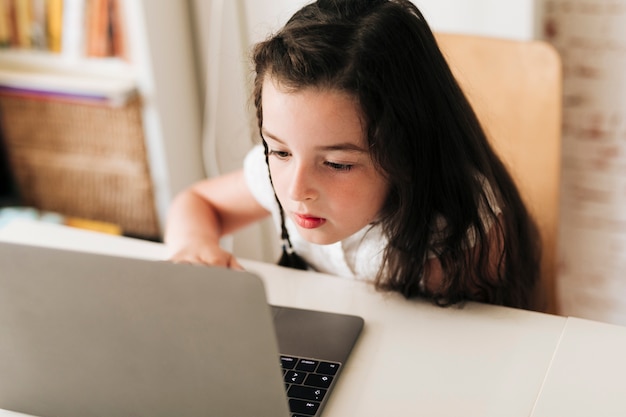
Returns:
point(334, 105)
point(281, 87)
point(319, 115)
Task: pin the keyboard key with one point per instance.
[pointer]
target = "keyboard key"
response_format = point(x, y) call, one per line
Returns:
point(288, 362)
point(320, 381)
point(308, 408)
point(306, 365)
point(295, 377)
point(306, 393)
point(328, 368)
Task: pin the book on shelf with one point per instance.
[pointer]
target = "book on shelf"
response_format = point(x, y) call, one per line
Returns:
point(73, 28)
point(22, 10)
point(8, 34)
point(4, 25)
point(54, 22)
point(72, 41)
point(38, 35)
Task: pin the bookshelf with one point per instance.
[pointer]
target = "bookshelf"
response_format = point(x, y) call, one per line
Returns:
point(159, 64)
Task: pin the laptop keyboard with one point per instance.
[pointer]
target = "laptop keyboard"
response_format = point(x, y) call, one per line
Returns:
point(307, 382)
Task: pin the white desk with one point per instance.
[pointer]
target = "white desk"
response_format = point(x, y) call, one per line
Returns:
point(587, 375)
point(412, 358)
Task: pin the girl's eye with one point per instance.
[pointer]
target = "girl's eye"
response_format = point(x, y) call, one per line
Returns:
point(338, 167)
point(279, 154)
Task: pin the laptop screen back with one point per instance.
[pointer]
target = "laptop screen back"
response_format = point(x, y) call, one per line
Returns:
point(85, 335)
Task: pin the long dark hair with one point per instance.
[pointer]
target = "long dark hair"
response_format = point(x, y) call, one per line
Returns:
point(426, 140)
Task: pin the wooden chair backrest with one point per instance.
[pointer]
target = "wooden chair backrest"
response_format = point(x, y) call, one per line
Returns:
point(515, 88)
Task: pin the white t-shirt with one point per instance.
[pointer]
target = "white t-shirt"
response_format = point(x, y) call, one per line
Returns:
point(359, 256)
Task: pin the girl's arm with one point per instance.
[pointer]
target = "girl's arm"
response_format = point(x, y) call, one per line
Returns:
point(200, 215)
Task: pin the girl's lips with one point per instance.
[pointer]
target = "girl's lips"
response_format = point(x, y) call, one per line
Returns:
point(308, 222)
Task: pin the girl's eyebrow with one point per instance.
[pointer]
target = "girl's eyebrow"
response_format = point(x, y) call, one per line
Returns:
point(342, 146)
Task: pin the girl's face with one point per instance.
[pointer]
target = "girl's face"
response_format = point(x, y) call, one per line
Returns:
point(322, 171)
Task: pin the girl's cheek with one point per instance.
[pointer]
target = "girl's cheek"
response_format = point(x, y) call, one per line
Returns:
point(278, 177)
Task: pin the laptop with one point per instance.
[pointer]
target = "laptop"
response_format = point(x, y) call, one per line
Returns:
point(85, 334)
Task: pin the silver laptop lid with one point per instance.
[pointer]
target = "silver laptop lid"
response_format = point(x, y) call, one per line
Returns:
point(96, 335)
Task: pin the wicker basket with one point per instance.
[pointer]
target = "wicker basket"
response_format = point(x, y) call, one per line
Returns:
point(81, 159)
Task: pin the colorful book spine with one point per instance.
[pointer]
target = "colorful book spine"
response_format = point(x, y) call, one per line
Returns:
point(38, 35)
point(23, 22)
point(98, 42)
point(75, 28)
point(55, 24)
point(5, 24)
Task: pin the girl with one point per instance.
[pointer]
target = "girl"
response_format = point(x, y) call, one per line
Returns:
point(372, 163)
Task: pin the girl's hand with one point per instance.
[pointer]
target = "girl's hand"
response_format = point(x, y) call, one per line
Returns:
point(206, 254)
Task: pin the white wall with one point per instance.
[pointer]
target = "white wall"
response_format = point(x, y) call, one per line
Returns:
point(591, 38)
point(509, 19)
point(506, 19)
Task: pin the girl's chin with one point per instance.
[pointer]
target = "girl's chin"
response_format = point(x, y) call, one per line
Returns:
point(319, 238)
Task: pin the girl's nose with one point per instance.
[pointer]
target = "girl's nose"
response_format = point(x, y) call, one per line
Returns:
point(302, 183)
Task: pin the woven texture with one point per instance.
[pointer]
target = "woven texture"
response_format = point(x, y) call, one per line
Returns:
point(81, 160)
